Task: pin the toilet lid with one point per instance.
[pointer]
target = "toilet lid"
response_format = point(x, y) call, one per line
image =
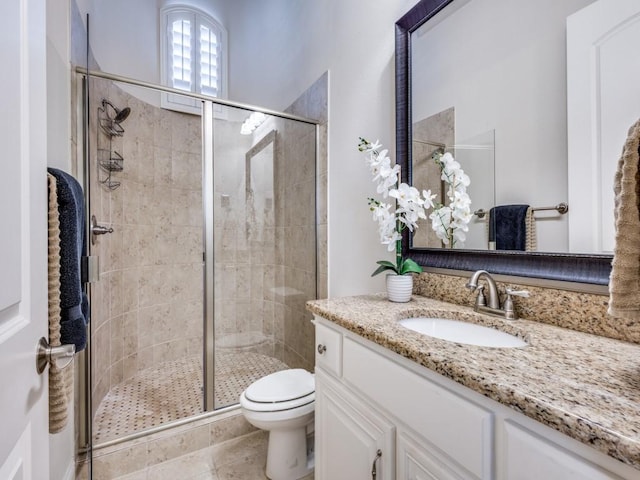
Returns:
point(281, 386)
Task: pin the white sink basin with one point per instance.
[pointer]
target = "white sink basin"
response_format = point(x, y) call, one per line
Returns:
point(462, 332)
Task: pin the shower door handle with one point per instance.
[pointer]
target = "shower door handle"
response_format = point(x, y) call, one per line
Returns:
point(98, 229)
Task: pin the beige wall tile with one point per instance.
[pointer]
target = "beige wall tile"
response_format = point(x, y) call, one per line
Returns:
point(152, 288)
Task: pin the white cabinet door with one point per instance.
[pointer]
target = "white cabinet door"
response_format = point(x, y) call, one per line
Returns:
point(24, 441)
point(415, 462)
point(349, 435)
point(528, 456)
point(460, 429)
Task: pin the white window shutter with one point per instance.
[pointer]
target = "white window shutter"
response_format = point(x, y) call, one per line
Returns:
point(193, 57)
point(208, 61)
point(181, 55)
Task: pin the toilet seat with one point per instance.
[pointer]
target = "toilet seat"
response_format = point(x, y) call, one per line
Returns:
point(281, 386)
point(283, 390)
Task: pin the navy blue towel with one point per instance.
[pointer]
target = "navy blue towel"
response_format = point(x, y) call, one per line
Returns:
point(74, 306)
point(508, 227)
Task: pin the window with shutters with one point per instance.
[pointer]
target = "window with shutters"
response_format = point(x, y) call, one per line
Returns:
point(193, 56)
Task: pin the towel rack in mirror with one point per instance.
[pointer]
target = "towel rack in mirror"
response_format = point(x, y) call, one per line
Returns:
point(561, 208)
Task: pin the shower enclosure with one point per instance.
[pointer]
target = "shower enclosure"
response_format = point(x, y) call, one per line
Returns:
point(205, 231)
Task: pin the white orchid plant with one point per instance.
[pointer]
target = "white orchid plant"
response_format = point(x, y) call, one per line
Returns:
point(410, 205)
point(450, 222)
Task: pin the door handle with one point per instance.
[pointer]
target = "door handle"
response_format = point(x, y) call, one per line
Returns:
point(374, 470)
point(46, 354)
point(98, 229)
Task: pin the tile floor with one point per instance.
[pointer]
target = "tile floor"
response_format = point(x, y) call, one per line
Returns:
point(241, 458)
point(173, 390)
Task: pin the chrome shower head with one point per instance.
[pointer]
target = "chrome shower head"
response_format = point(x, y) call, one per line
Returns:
point(120, 115)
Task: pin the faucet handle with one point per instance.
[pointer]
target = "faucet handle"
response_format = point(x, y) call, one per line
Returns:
point(480, 298)
point(509, 311)
point(518, 293)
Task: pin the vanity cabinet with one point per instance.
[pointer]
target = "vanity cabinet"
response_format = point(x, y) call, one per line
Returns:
point(364, 403)
point(426, 426)
point(361, 443)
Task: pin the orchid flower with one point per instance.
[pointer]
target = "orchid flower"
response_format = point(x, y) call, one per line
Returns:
point(450, 223)
point(410, 206)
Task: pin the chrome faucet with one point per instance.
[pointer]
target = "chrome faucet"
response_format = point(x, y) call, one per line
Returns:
point(494, 300)
point(492, 304)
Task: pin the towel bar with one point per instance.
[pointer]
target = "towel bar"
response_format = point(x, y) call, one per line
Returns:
point(561, 208)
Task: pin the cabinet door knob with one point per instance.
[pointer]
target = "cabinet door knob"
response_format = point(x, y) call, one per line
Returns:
point(321, 348)
point(374, 470)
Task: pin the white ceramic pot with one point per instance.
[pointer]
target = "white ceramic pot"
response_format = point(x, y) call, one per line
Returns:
point(399, 287)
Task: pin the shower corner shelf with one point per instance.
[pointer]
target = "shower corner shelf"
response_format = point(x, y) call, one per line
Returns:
point(111, 161)
point(109, 127)
point(110, 183)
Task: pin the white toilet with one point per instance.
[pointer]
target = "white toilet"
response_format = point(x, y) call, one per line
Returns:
point(283, 403)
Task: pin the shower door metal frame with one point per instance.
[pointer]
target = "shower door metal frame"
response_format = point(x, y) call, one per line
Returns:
point(84, 382)
point(209, 349)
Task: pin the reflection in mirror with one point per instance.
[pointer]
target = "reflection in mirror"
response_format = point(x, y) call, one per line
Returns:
point(506, 73)
point(510, 78)
point(475, 155)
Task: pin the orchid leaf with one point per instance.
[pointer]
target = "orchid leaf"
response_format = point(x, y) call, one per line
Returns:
point(409, 266)
point(384, 265)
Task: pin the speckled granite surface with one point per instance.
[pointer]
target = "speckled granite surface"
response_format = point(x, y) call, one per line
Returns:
point(585, 386)
point(584, 312)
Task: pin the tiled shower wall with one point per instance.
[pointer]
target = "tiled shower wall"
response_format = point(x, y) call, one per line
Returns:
point(149, 297)
point(305, 231)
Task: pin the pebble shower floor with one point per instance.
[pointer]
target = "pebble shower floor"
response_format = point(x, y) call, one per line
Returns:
point(173, 390)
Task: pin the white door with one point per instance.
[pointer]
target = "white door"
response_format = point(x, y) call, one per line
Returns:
point(24, 439)
point(603, 101)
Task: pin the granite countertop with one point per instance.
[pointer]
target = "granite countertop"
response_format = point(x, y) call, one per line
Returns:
point(583, 385)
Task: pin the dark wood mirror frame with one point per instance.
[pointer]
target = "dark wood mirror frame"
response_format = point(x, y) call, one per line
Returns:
point(580, 268)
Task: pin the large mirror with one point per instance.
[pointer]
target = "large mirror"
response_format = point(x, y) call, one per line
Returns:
point(486, 80)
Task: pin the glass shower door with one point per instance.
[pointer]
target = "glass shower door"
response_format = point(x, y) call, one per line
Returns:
point(263, 236)
point(147, 327)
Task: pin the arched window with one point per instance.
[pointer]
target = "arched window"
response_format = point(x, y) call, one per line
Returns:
point(193, 56)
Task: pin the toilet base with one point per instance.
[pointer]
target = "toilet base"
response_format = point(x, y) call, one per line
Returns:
point(287, 455)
